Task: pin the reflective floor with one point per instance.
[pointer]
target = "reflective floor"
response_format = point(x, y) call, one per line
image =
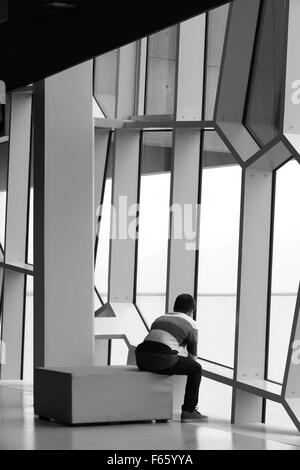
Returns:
point(21, 430)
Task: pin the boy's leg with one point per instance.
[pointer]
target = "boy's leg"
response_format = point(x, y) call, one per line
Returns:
point(193, 370)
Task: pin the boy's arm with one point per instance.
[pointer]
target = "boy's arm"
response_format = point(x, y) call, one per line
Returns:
point(192, 344)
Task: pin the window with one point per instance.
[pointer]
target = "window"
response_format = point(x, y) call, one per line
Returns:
point(28, 333)
point(29, 258)
point(216, 27)
point(118, 352)
point(30, 229)
point(103, 242)
point(3, 190)
point(218, 253)
point(105, 83)
point(264, 114)
point(286, 266)
point(161, 72)
point(102, 263)
point(155, 187)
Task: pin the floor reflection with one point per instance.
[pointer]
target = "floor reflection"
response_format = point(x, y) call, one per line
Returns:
point(20, 429)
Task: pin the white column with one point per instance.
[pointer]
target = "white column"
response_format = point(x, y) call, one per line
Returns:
point(190, 72)
point(253, 290)
point(126, 82)
point(64, 219)
point(125, 197)
point(184, 216)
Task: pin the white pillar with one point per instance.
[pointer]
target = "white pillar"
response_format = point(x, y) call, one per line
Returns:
point(184, 216)
point(64, 219)
point(253, 290)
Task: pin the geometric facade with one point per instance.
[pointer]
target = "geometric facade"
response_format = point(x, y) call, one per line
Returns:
point(250, 116)
point(219, 90)
point(251, 120)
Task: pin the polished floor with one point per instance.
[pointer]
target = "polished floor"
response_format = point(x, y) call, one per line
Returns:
point(20, 429)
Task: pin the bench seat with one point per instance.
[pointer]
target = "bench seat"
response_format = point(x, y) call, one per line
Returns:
point(78, 395)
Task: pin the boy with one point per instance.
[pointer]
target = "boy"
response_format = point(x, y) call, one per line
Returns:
point(170, 337)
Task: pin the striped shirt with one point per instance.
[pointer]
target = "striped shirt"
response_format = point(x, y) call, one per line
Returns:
point(178, 331)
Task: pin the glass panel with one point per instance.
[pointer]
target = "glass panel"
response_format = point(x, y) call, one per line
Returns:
point(161, 72)
point(119, 352)
point(102, 261)
point(286, 266)
point(97, 113)
point(97, 303)
point(30, 219)
point(28, 333)
point(105, 82)
point(154, 227)
point(2, 120)
point(101, 352)
point(264, 112)
point(3, 190)
point(276, 416)
point(218, 260)
point(215, 152)
point(217, 20)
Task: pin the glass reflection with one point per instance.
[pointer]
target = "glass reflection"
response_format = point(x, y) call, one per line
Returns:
point(105, 83)
point(218, 255)
point(3, 190)
point(102, 260)
point(155, 187)
point(216, 27)
point(161, 72)
point(28, 333)
point(286, 266)
point(264, 114)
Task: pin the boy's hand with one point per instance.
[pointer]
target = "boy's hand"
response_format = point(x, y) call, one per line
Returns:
point(195, 358)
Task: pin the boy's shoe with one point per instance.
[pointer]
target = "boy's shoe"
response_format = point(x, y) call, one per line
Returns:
point(192, 417)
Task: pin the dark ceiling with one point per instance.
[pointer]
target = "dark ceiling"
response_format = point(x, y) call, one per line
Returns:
point(39, 38)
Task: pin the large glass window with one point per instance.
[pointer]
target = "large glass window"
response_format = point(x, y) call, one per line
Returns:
point(218, 253)
point(3, 193)
point(118, 352)
point(155, 187)
point(161, 72)
point(30, 229)
point(28, 332)
point(286, 266)
point(217, 20)
point(102, 262)
point(104, 236)
point(30, 216)
point(105, 82)
point(264, 112)
point(3, 190)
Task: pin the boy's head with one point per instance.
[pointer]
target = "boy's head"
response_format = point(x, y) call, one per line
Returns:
point(185, 303)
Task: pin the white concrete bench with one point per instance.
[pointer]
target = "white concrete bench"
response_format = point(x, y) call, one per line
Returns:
point(102, 395)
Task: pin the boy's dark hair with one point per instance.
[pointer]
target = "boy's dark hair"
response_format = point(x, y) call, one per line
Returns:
point(185, 303)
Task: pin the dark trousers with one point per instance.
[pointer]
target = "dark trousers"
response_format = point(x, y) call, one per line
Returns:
point(181, 366)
